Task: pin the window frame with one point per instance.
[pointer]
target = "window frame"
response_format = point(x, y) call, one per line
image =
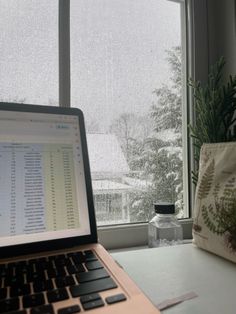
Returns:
point(194, 35)
point(64, 52)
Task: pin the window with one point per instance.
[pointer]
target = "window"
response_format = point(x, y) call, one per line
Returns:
point(127, 75)
point(29, 51)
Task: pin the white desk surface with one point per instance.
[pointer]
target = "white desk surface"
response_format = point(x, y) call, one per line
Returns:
point(169, 272)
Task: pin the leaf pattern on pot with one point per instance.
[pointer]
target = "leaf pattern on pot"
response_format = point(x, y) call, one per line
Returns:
point(220, 217)
point(206, 181)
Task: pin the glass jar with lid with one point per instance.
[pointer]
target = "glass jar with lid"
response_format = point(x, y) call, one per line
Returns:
point(164, 229)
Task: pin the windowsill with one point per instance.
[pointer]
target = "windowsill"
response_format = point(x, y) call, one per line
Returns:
point(137, 248)
point(133, 235)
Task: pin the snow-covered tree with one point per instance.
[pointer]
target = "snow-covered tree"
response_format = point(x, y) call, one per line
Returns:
point(167, 111)
point(152, 145)
point(132, 130)
point(162, 151)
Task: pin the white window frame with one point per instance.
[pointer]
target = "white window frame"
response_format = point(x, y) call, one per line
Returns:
point(194, 35)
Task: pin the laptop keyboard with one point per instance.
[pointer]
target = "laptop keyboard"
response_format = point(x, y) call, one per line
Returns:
point(32, 286)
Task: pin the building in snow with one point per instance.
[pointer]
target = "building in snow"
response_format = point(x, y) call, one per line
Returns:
point(109, 169)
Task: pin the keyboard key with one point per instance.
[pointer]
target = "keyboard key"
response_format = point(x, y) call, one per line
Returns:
point(35, 276)
point(90, 256)
point(75, 269)
point(69, 310)
point(89, 298)
point(6, 273)
point(11, 265)
point(72, 269)
point(93, 305)
point(21, 267)
point(9, 305)
point(91, 287)
point(78, 258)
point(2, 267)
point(62, 282)
point(56, 272)
point(93, 265)
point(116, 298)
point(43, 309)
point(21, 289)
point(14, 280)
point(60, 271)
point(42, 264)
point(24, 269)
point(80, 268)
point(3, 293)
point(61, 260)
point(52, 273)
point(57, 295)
point(44, 285)
point(3, 270)
point(68, 262)
point(92, 275)
point(33, 300)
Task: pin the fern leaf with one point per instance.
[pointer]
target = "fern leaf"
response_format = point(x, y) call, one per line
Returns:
point(206, 181)
point(216, 190)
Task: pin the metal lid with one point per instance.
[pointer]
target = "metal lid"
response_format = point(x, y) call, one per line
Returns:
point(164, 208)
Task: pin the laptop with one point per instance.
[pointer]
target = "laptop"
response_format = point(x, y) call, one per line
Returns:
point(50, 258)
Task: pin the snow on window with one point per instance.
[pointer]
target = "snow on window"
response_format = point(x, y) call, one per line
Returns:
point(127, 78)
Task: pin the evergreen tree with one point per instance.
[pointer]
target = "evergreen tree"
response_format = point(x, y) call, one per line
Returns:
point(167, 111)
point(153, 146)
point(162, 151)
point(132, 130)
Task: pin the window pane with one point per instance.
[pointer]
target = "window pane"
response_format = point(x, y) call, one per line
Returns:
point(126, 77)
point(29, 51)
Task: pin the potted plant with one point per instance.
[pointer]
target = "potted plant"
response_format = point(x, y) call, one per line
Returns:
point(214, 108)
point(215, 122)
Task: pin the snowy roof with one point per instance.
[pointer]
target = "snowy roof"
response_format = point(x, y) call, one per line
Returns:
point(105, 154)
point(106, 186)
point(137, 183)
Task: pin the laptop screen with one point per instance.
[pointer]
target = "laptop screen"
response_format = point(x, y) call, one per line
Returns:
point(42, 180)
